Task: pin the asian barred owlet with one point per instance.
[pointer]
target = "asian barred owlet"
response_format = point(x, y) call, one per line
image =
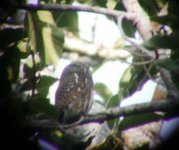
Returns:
point(73, 97)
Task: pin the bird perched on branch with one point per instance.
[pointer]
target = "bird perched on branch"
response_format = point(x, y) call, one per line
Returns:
point(73, 97)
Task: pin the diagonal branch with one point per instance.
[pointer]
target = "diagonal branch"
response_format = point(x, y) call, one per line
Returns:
point(109, 114)
point(59, 7)
point(141, 21)
point(116, 112)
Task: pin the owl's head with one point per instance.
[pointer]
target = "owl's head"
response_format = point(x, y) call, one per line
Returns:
point(76, 67)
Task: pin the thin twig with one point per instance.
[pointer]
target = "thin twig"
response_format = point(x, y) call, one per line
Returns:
point(33, 74)
point(144, 50)
point(138, 63)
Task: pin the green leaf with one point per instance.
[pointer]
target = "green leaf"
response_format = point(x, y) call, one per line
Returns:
point(149, 6)
point(10, 35)
point(64, 1)
point(103, 90)
point(135, 77)
point(166, 63)
point(44, 84)
point(139, 119)
point(9, 68)
point(41, 84)
point(67, 20)
point(125, 78)
point(111, 4)
point(27, 85)
point(165, 20)
point(53, 43)
point(166, 41)
point(45, 37)
point(173, 12)
point(40, 107)
point(138, 78)
point(113, 101)
point(101, 3)
point(46, 81)
point(124, 83)
point(120, 6)
point(70, 142)
point(128, 28)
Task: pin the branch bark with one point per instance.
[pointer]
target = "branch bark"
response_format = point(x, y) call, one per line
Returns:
point(143, 25)
point(109, 114)
point(75, 44)
point(141, 21)
point(59, 7)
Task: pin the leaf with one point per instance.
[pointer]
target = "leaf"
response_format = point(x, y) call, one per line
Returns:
point(53, 43)
point(9, 68)
point(173, 12)
point(103, 90)
point(41, 84)
point(40, 107)
point(45, 37)
point(120, 6)
point(10, 35)
point(44, 84)
point(124, 83)
point(128, 28)
point(111, 4)
point(27, 85)
point(101, 3)
point(166, 41)
point(166, 63)
point(125, 78)
point(149, 6)
point(111, 142)
point(139, 119)
point(22, 45)
point(46, 81)
point(64, 1)
point(165, 20)
point(137, 80)
point(70, 142)
point(138, 75)
point(67, 20)
point(113, 101)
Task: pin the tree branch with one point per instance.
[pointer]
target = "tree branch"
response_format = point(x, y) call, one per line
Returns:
point(173, 92)
point(141, 21)
point(75, 44)
point(108, 114)
point(59, 7)
point(116, 112)
point(144, 27)
point(131, 16)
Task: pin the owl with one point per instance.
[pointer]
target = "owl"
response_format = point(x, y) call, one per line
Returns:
point(73, 97)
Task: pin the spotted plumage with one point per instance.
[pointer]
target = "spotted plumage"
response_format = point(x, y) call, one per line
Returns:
point(74, 94)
